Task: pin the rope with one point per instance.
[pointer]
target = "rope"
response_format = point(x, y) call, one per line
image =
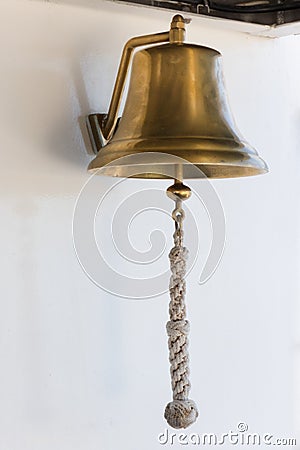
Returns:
point(181, 412)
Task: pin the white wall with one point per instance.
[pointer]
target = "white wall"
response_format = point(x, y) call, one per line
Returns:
point(80, 368)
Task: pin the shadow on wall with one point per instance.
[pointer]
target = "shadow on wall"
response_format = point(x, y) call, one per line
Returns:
point(48, 119)
point(68, 138)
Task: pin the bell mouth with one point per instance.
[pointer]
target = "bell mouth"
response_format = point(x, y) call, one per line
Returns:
point(206, 158)
point(214, 172)
point(203, 171)
point(159, 165)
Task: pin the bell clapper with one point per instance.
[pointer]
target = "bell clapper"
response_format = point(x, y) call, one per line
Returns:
point(181, 412)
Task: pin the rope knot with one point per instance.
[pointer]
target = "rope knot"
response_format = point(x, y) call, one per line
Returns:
point(178, 328)
point(181, 413)
point(178, 254)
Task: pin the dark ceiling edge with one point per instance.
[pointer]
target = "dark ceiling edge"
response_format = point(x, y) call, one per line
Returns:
point(254, 29)
point(271, 15)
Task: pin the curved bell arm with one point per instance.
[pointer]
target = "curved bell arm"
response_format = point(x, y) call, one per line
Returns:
point(101, 127)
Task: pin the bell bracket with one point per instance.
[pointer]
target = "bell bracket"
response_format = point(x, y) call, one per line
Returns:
point(94, 126)
point(101, 127)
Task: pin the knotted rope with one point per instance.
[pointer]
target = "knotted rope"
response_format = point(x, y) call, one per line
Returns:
point(181, 412)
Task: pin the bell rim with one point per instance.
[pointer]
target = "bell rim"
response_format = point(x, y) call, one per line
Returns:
point(226, 162)
point(208, 171)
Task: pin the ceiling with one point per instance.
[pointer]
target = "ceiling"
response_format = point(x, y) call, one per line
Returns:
point(266, 12)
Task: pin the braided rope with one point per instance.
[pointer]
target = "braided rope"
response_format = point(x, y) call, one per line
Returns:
point(181, 412)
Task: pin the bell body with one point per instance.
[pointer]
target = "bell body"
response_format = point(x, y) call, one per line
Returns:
point(176, 105)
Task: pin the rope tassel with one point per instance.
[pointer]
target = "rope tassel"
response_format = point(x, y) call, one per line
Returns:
point(181, 412)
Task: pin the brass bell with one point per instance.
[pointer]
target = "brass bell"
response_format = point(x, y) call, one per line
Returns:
point(176, 119)
point(176, 105)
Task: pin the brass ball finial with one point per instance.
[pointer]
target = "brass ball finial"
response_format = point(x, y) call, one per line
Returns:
point(177, 31)
point(178, 19)
point(179, 191)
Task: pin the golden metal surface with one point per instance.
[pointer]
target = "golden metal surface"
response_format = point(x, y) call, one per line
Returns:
point(110, 121)
point(176, 104)
point(179, 191)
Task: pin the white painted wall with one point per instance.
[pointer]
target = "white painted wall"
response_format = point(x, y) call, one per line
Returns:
point(82, 369)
